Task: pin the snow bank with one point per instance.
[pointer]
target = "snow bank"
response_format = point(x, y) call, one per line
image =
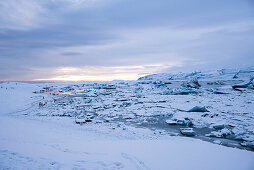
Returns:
point(37, 144)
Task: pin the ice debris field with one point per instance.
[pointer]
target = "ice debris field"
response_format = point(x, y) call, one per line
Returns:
point(198, 120)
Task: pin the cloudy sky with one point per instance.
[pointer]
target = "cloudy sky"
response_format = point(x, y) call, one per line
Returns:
point(122, 39)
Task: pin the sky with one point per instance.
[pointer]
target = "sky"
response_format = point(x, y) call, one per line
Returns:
point(100, 40)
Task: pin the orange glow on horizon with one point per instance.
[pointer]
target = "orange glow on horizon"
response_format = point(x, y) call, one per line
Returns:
point(102, 73)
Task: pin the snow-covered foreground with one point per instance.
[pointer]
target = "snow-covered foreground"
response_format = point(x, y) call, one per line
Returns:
point(128, 125)
point(41, 144)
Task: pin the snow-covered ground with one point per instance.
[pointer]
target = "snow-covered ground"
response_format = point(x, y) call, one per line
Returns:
point(130, 124)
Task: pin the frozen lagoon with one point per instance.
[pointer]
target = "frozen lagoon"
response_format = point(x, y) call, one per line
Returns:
point(128, 128)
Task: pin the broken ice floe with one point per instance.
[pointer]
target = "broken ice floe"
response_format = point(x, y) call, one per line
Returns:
point(218, 126)
point(248, 144)
point(82, 121)
point(180, 91)
point(198, 109)
point(155, 103)
point(171, 122)
point(249, 85)
point(188, 131)
point(191, 84)
point(220, 133)
point(183, 122)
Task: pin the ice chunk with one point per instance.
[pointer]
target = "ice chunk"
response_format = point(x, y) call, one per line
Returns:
point(126, 104)
point(217, 142)
point(221, 133)
point(248, 144)
point(188, 131)
point(181, 122)
point(171, 122)
point(198, 109)
point(192, 84)
point(249, 85)
point(82, 121)
point(129, 116)
point(218, 126)
point(225, 132)
point(244, 74)
point(214, 134)
point(181, 91)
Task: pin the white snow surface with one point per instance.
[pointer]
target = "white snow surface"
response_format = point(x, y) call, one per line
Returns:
point(234, 73)
point(33, 137)
point(40, 144)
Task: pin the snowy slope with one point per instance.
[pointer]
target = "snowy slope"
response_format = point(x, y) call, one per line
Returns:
point(40, 144)
point(240, 73)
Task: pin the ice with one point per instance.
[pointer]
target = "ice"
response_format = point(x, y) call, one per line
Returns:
point(180, 121)
point(248, 144)
point(249, 85)
point(180, 91)
point(220, 133)
point(217, 142)
point(82, 121)
point(218, 126)
point(171, 122)
point(198, 109)
point(236, 73)
point(188, 131)
point(246, 73)
point(192, 84)
point(129, 124)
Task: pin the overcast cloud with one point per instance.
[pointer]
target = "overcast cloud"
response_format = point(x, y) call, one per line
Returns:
point(122, 39)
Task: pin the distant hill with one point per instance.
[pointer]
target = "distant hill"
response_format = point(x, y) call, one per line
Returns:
point(242, 73)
